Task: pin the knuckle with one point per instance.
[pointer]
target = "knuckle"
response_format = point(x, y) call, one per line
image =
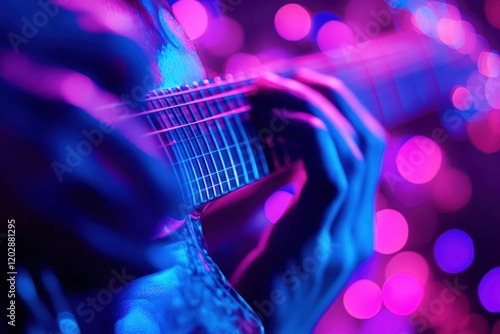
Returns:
point(335, 84)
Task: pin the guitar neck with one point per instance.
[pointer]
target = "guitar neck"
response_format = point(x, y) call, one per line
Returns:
point(214, 147)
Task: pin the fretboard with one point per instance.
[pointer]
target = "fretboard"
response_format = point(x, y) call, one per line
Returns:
point(214, 147)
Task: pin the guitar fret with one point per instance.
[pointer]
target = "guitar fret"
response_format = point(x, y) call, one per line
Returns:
point(240, 102)
point(190, 145)
point(234, 155)
point(390, 88)
point(210, 109)
point(219, 163)
point(211, 163)
point(239, 168)
point(170, 158)
point(164, 118)
point(227, 148)
point(194, 139)
point(189, 169)
point(246, 174)
point(228, 181)
point(431, 67)
point(368, 77)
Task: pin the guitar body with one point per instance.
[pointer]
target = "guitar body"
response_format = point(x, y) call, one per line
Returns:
point(200, 298)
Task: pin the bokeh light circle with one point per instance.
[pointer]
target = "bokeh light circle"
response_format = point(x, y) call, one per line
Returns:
point(391, 231)
point(489, 290)
point(451, 33)
point(242, 62)
point(492, 91)
point(489, 64)
point(425, 20)
point(277, 204)
point(476, 83)
point(451, 190)
point(484, 133)
point(410, 263)
point(363, 299)
point(470, 38)
point(333, 35)
point(419, 160)
point(461, 98)
point(292, 22)
point(192, 16)
point(224, 37)
point(454, 251)
point(492, 11)
point(402, 294)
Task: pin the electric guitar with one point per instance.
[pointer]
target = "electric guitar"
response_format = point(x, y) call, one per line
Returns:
point(214, 147)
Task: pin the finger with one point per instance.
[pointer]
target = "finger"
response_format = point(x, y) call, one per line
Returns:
point(342, 134)
point(55, 291)
point(370, 132)
point(371, 140)
point(299, 96)
point(29, 295)
point(321, 197)
point(316, 205)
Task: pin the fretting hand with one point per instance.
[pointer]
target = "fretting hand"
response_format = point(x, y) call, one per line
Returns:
point(306, 258)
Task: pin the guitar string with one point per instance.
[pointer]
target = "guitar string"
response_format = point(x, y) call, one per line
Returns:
point(233, 93)
point(203, 135)
point(246, 141)
point(238, 173)
point(220, 108)
point(218, 153)
point(243, 90)
point(199, 170)
point(177, 152)
point(207, 119)
point(198, 142)
point(239, 100)
point(219, 133)
point(228, 113)
point(170, 158)
point(190, 170)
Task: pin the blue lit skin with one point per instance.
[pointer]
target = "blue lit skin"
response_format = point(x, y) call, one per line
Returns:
point(304, 260)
